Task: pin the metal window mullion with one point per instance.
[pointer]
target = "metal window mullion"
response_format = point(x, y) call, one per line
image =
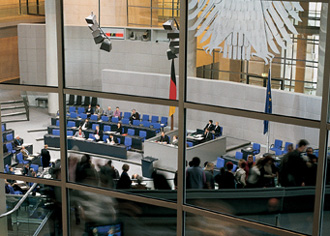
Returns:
point(323, 139)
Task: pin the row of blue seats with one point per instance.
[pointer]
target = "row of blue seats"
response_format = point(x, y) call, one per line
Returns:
point(221, 162)
point(278, 148)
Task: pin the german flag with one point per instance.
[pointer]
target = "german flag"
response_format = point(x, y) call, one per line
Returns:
point(172, 88)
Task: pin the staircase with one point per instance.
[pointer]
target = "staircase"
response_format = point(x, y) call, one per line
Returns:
point(14, 111)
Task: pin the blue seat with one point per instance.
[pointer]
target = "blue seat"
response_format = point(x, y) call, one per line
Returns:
point(119, 141)
point(91, 136)
point(145, 117)
point(234, 167)
point(190, 144)
point(131, 132)
point(277, 145)
point(94, 117)
point(81, 110)
point(278, 152)
point(136, 122)
point(106, 128)
point(9, 147)
point(256, 148)
point(127, 115)
point(105, 118)
point(35, 167)
point(105, 137)
point(220, 162)
point(3, 127)
point(12, 191)
point(94, 126)
point(316, 152)
point(57, 122)
point(6, 170)
point(238, 155)
point(115, 119)
point(125, 121)
point(128, 143)
point(69, 133)
point(72, 109)
point(154, 119)
point(156, 126)
point(56, 132)
point(9, 137)
point(143, 134)
point(71, 123)
point(163, 121)
point(145, 123)
point(20, 159)
point(221, 131)
point(286, 146)
point(83, 116)
point(73, 115)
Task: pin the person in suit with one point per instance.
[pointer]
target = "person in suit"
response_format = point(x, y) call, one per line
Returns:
point(45, 156)
point(18, 141)
point(164, 138)
point(112, 139)
point(135, 116)
point(98, 134)
point(85, 124)
point(119, 128)
point(108, 112)
point(209, 125)
point(89, 110)
point(207, 135)
point(217, 129)
point(98, 111)
point(79, 133)
point(124, 181)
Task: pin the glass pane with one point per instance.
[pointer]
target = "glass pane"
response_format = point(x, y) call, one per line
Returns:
point(232, 171)
point(95, 214)
point(200, 225)
point(130, 136)
point(326, 215)
point(39, 214)
point(25, 117)
point(239, 70)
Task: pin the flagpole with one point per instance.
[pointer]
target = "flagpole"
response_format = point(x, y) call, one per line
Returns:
point(268, 133)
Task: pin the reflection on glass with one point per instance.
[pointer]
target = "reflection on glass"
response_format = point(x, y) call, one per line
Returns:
point(38, 213)
point(95, 214)
point(235, 169)
point(25, 117)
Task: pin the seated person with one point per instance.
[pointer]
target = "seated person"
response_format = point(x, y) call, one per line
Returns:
point(164, 138)
point(18, 141)
point(25, 153)
point(209, 125)
point(207, 135)
point(85, 124)
point(98, 134)
point(117, 113)
point(89, 110)
point(135, 116)
point(98, 111)
point(108, 112)
point(112, 139)
point(217, 129)
point(119, 128)
point(79, 133)
point(175, 140)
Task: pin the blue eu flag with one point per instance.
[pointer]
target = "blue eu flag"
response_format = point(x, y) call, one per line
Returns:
point(268, 105)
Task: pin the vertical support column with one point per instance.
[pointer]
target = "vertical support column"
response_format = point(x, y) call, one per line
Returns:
point(51, 53)
point(301, 51)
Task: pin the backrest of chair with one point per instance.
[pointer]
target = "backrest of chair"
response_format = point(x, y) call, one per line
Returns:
point(143, 133)
point(9, 147)
point(128, 141)
point(125, 121)
point(234, 167)
point(119, 141)
point(115, 119)
point(69, 133)
point(57, 122)
point(238, 155)
point(136, 122)
point(35, 167)
point(19, 157)
point(278, 152)
point(156, 125)
point(56, 132)
point(220, 162)
point(83, 116)
point(105, 118)
point(81, 110)
point(107, 128)
point(72, 109)
point(94, 126)
point(73, 115)
point(3, 127)
point(163, 120)
point(154, 119)
point(256, 146)
point(91, 136)
point(190, 144)
point(127, 115)
point(287, 145)
point(105, 137)
point(145, 117)
point(94, 117)
point(7, 168)
point(131, 132)
point(87, 101)
point(71, 123)
point(9, 137)
point(94, 101)
point(146, 123)
point(278, 143)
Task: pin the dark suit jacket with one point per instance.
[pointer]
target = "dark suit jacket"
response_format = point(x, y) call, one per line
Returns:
point(18, 142)
point(164, 139)
point(88, 124)
point(217, 131)
point(208, 136)
point(124, 181)
point(135, 116)
point(211, 127)
point(100, 134)
point(120, 130)
point(45, 157)
point(114, 139)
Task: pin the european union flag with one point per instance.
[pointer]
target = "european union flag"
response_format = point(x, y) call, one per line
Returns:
point(268, 105)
